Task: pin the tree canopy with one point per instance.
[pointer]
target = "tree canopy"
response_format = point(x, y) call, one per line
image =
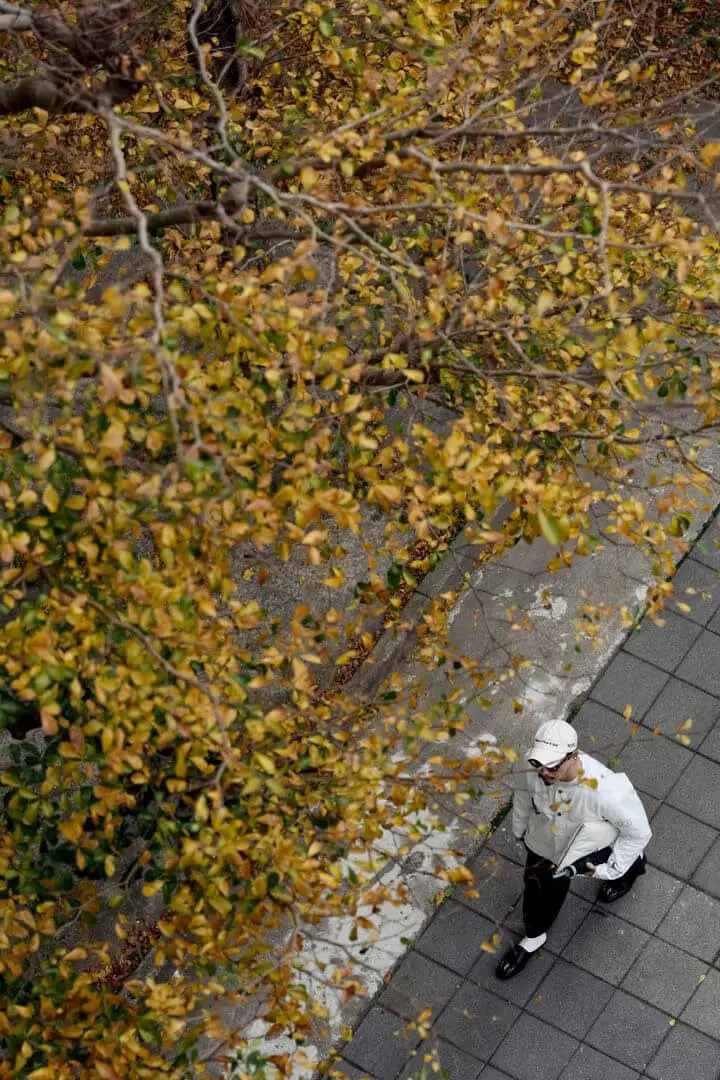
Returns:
point(266, 273)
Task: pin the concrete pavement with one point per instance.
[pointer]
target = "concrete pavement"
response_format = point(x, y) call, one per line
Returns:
point(620, 991)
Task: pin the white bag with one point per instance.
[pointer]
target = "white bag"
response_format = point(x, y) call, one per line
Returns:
point(589, 837)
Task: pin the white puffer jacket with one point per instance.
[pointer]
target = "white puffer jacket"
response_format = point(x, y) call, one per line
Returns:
point(547, 816)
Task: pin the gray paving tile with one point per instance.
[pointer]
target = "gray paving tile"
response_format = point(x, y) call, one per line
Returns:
point(710, 745)
point(677, 702)
point(382, 1044)
point(664, 976)
point(696, 792)
point(345, 1070)
point(419, 983)
point(567, 983)
point(453, 1063)
point(701, 666)
point(693, 923)
point(589, 1064)
point(653, 763)
point(665, 646)
point(697, 586)
point(685, 1055)
point(714, 623)
point(534, 1051)
point(707, 875)
point(606, 946)
point(633, 1030)
point(601, 732)
point(476, 1021)
point(679, 843)
point(629, 681)
point(703, 1009)
point(499, 882)
point(520, 988)
point(490, 1073)
point(503, 842)
point(706, 549)
point(649, 900)
point(455, 936)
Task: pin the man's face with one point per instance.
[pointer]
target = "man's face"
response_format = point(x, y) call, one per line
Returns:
point(560, 773)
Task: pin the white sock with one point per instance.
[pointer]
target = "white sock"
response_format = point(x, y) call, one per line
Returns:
point(532, 944)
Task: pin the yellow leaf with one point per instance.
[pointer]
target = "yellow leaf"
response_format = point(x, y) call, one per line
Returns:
point(114, 437)
point(627, 711)
point(554, 530)
point(710, 152)
point(565, 266)
point(308, 177)
point(265, 762)
point(336, 578)
point(50, 498)
point(387, 493)
point(46, 459)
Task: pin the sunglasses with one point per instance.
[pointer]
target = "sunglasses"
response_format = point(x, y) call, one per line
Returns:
point(535, 764)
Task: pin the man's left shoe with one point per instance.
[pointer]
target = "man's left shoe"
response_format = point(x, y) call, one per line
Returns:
point(613, 890)
point(512, 962)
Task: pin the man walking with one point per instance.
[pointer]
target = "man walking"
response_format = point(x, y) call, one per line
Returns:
point(563, 794)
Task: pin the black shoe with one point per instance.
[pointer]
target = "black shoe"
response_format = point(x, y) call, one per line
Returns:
point(512, 962)
point(613, 890)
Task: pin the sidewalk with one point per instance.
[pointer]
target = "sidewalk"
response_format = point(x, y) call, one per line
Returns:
point(621, 991)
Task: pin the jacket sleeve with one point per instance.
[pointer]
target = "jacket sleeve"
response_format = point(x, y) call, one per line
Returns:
point(522, 809)
point(629, 818)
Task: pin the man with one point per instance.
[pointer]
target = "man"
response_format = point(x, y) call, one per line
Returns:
point(563, 790)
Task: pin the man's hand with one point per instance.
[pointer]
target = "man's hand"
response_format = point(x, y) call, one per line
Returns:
point(589, 870)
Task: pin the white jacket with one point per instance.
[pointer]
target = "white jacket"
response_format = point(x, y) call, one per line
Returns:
point(546, 816)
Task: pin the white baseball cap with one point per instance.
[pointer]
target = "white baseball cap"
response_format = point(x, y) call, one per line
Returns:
point(554, 740)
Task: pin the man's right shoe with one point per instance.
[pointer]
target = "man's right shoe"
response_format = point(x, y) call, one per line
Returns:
point(614, 890)
point(512, 962)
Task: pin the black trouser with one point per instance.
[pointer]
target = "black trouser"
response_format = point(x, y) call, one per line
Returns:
point(544, 895)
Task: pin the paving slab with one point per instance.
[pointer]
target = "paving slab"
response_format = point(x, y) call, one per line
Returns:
point(707, 875)
point(679, 842)
point(665, 976)
point(568, 983)
point(499, 884)
point(382, 1044)
point(455, 937)
point(665, 645)
point(650, 899)
point(710, 745)
point(601, 731)
point(701, 666)
point(606, 946)
point(703, 1009)
point(631, 1027)
point(476, 1021)
point(654, 762)
point(697, 586)
point(535, 1051)
point(693, 924)
point(589, 1064)
point(679, 701)
point(454, 1063)
point(419, 983)
point(630, 681)
point(685, 1055)
point(697, 791)
point(707, 547)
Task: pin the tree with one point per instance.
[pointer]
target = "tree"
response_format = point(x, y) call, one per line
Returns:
point(237, 246)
